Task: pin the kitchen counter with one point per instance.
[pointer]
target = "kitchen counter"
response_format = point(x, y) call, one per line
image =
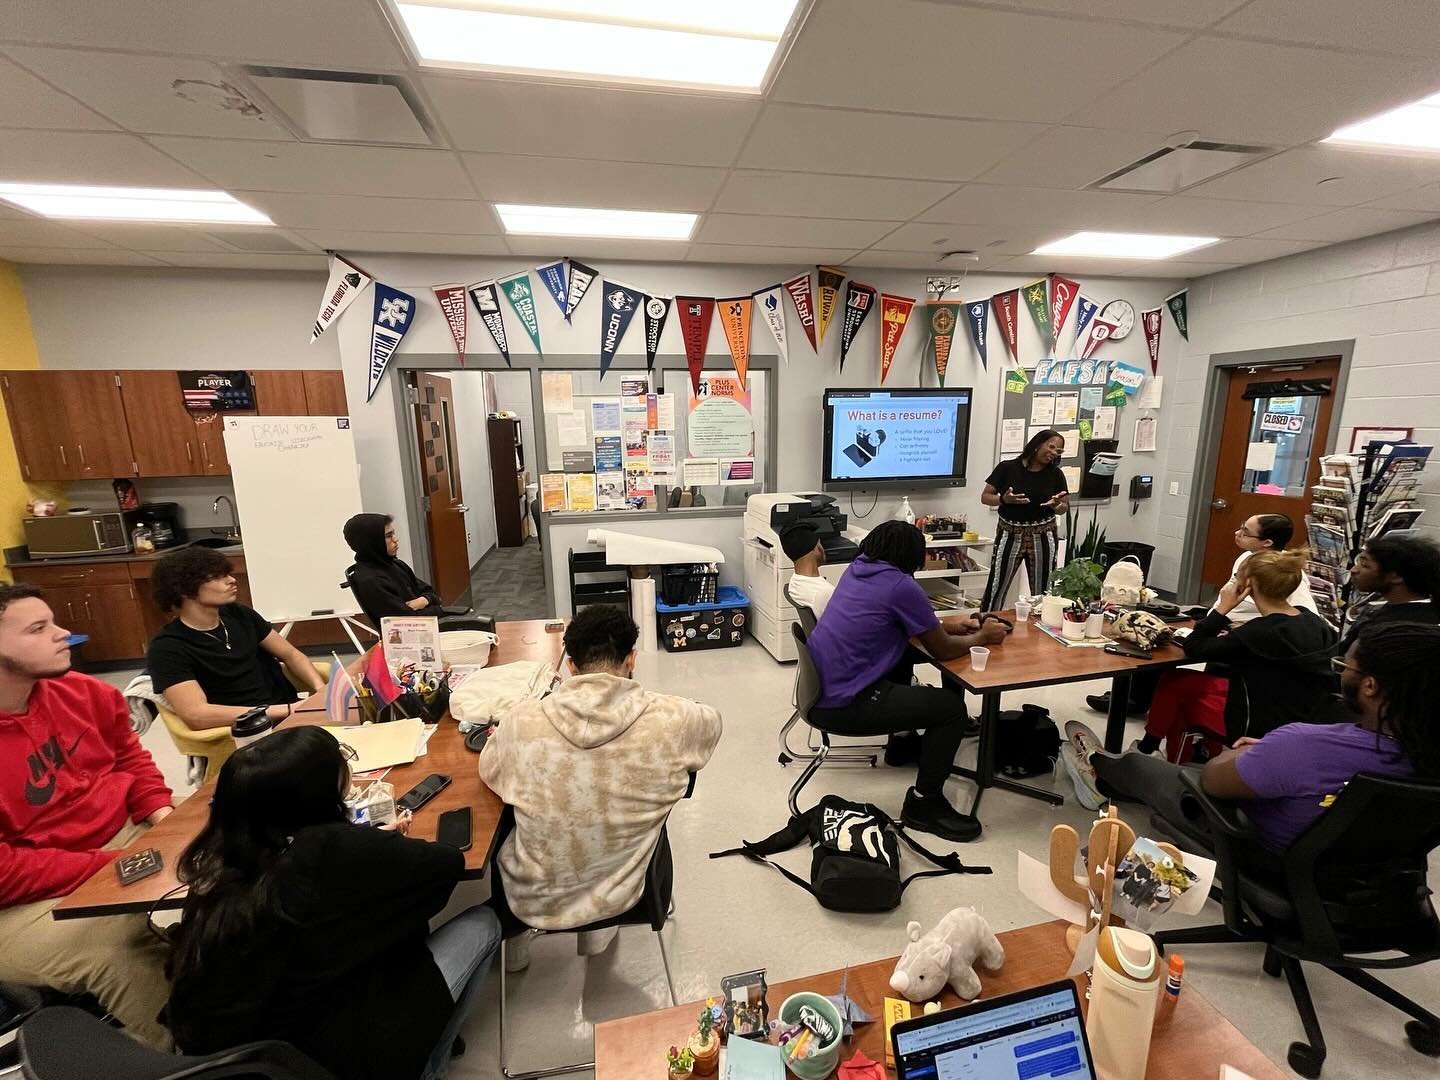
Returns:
point(20, 556)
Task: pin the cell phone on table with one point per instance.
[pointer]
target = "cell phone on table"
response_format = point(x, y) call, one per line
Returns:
point(423, 792)
point(454, 828)
point(1124, 648)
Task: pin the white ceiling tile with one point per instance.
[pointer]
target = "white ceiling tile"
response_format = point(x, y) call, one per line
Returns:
point(879, 144)
point(592, 251)
point(919, 260)
point(150, 237)
point(905, 55)
point(1187, 13)
point(322, 168)
point(618, 185)
point(139, 92)
point(1421, 198)
point(30, 103)
point(409, 243)
point(824, 195)
point(790, 231)
point(74, 157)
point(1348, 224)
point(1184, 269)
point(1217, 217)
point(1351, 177)
point(1072, 157)
point(365, 213)
point(77, 257)
point(986, 204)
point(246, 261)
point(770, 256)
point(1070, 264)
point(325, 33)
point(921, 237)
point(1245, 91)
point(38, 232)
point(590, 122)
point(1249, 250)
point(1403, 27)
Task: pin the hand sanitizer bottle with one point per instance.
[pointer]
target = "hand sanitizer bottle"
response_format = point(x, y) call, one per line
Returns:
point(906, 514)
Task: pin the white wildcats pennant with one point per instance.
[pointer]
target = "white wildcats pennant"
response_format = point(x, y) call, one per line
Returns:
point(347, 281)
point(771, 304)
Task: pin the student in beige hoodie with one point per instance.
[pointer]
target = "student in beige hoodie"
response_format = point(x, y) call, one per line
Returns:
point(592, 771)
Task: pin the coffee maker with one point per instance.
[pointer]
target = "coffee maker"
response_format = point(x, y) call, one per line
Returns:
point(163, 519)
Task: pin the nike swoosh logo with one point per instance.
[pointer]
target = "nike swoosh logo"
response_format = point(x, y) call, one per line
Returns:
point(37, 795)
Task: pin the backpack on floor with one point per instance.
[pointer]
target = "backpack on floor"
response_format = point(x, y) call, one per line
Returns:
point(855, 855)
point(1027, 742)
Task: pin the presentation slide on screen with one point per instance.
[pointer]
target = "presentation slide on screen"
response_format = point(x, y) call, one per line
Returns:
point(883, 436)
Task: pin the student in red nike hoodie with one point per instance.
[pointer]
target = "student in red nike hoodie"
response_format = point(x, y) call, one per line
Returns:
point(75, 786)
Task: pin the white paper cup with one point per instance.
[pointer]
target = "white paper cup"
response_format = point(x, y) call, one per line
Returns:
point(979, 657)
point(1022, 610)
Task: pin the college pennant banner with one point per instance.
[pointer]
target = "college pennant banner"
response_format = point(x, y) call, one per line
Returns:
point(978, 313)
point(555, 282)
point(859, 299)
point(1037, 300)
point(347, 281)
point(943, 316)
point(581, 278)
point(830, 279)
point(452, 304)
point(1006, 305)
point(486, 299)
point(771, 302)
point(620, 305)
point(735, 314)
point(894, 314)
point(522, 298)
point(390, 322)
point(1096, 333)
point(695, 313)
point(1085, 309)
point(657, 310)
point(1150, 322)
point(1176, 303)
point(1062, 297)
point(804, 300)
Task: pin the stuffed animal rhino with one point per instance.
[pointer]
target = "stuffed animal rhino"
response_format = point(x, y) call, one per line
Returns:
point(947, 954)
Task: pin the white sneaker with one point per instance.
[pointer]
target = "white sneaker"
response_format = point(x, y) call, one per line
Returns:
point(517, 951)
point(1082, 775)
point(595, 942)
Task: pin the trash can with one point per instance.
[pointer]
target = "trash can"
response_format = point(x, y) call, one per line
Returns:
point(1113, 552)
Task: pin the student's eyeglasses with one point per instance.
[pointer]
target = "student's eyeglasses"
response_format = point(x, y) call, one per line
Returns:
point(1241, 532)
point(1339, 666)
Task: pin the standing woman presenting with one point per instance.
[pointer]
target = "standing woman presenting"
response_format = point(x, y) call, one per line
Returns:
point(1029, 491)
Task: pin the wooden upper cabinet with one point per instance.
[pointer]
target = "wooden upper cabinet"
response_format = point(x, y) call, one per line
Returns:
point(279, 393)
point(163, 434)
point(68, 425)
point(98, 430)
point(38, 423)
point(325, 393)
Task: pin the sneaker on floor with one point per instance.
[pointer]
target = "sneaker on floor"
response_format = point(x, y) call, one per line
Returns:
point(935, 815)
point(1083, 739)
point(1082, 775)
point(517, 951)
point(1101, 704)
point(595, 942)
point(902, 748)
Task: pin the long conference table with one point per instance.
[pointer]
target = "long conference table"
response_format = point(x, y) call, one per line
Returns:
point(104, 895)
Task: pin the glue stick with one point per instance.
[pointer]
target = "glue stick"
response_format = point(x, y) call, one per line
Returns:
point(1170, 995)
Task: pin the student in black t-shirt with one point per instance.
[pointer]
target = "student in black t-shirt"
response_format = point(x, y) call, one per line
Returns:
point(1029, 491)
point(217, 659)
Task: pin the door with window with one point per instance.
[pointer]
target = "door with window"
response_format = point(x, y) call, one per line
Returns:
point(440, 486)
point(1275, 430)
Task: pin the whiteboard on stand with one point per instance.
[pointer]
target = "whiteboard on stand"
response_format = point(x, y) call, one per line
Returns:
point(296, 484)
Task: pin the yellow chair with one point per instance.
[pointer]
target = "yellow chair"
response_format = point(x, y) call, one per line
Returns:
point(214, 745)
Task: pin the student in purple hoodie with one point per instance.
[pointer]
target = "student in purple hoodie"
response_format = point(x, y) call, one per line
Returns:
point(863, 653)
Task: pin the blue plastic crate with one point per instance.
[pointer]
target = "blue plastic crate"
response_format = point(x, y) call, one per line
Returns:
point(691, 627)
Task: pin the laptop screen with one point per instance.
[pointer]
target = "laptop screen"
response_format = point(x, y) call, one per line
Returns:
point(1036, 1038)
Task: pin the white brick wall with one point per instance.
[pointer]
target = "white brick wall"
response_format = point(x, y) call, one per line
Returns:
point(1383, 291)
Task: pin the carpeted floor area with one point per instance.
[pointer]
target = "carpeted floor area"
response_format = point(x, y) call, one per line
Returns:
point(509, 583)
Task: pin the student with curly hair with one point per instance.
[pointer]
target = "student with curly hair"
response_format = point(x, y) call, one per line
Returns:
point(217, 658)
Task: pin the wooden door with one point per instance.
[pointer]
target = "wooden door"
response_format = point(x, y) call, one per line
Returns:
point(505, 479)
point(325, 393)
point(38, 423)
point(99, 438)
point(162, 431)
point(440, 474)
point(1263, 469)
point(279, 393)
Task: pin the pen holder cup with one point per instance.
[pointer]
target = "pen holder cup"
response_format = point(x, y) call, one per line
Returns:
point(823, 1063)
point(369, 708)
point(407, 705)
point(437, 704)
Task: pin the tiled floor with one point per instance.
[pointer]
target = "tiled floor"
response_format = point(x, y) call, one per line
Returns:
point(732, 915)
point(509, 583)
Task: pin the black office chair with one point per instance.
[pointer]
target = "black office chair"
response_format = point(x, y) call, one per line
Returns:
point(63, 1043)
point(455, 617)
point(1351, 887)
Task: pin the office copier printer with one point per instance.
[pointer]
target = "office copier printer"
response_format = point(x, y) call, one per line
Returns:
point(767, 516)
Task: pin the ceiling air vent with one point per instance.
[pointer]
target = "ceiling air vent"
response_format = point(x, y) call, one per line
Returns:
point(345, 106)
point(1182, 165)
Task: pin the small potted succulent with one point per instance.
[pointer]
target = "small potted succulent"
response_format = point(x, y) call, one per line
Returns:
point(704, 1045)
point(681, 1063)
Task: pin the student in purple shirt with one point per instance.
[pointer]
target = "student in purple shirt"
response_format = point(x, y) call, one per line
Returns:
point(1389, 679)
point(863, 653)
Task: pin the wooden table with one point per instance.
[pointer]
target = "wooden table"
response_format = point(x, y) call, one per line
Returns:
point(1030, 657)
point(1196, 1042)
point(104, 895)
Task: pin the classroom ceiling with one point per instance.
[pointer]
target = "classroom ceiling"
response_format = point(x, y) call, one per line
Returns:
point(892, 133)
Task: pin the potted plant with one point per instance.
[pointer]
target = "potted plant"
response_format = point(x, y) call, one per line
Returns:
point(704, 1045)
point(681, 1063)
point(1079, 583)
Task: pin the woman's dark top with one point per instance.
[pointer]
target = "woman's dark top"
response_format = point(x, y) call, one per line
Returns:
point(1039, 487)
point(345, 975)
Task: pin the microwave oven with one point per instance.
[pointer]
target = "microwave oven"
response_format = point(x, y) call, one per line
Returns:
point(72, 535)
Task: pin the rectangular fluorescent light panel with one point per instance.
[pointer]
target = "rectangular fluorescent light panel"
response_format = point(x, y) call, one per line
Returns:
point(578, 221)
point(131, 204)
point(699, 43)
point(1411, 127)
point(1114, 245)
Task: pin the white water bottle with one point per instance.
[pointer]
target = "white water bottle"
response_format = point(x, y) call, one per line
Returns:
point(1123, 993)
point(905, 514)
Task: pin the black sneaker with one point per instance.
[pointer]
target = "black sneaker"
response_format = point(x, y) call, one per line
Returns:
point(902, 749)
point(1101, 704)
point(935, 815)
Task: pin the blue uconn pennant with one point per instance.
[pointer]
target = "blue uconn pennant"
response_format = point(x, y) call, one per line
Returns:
point(394, 313)
point(620, 305)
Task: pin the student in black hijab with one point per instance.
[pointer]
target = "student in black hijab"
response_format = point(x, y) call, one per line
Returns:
point(384, 585)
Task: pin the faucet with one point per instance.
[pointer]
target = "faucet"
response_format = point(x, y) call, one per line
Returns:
point(234, 533)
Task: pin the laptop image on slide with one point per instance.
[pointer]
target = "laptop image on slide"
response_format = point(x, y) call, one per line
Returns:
point(1035, 1034)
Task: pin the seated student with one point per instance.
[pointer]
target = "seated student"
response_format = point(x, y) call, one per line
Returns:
point(383, 585)
point(1401, 570)
point(75, 787)
point(621, 755)
point(801, 544)
point(303, 927)
point(1389, 678)
point(866, 663)
point(216, 658)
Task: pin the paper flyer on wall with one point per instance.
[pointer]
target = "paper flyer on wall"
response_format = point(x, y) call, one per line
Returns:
point(610, 489)
point(737, 472)
point(570, 429)
point(1149, 395)
point(720, 424)
point(702, 472)
point(1067, 406)
point(1072, 442)
point(635, 420)
point(1104, 424)
point(557, 390)
point(1144, 434)
point(580, 491)
point(552, 491)
point(1091, 396)
point(605, 417)
point(1072, 477)
point(664, 417)
point(1042, 410)
point(630, 388)
point(1012, 436)
point(1086, 429)
point(609, 454)
point(662, 453)
point(638, 482)
point(1128, 376)
point(577, 461)
point(412, 641)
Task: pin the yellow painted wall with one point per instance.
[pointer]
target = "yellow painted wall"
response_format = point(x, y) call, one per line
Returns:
point(17, 350)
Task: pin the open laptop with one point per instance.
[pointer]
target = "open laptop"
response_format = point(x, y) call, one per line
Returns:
point(1036, 1034)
